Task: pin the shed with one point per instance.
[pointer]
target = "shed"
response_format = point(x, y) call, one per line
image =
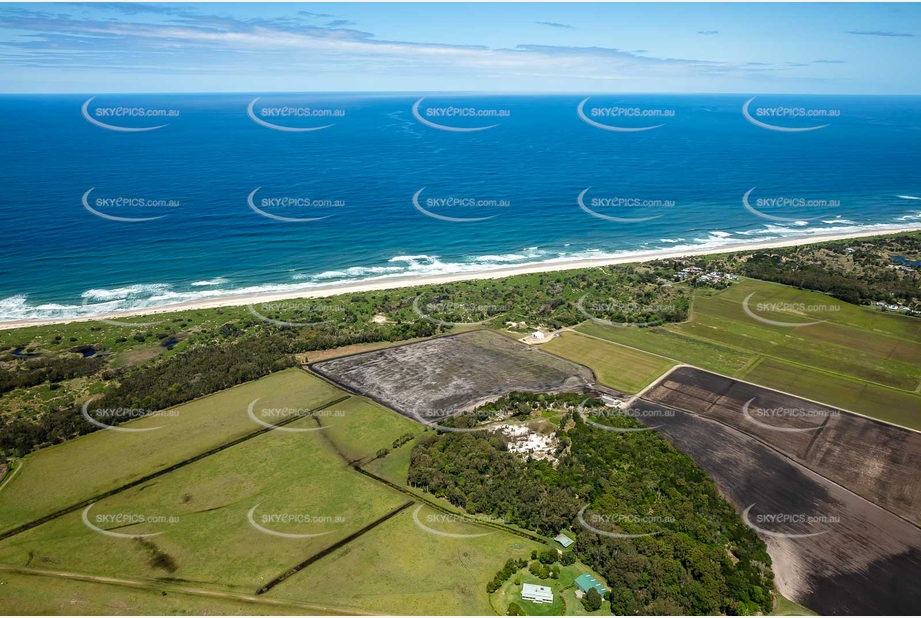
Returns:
point(563, 540)
point(586, 582)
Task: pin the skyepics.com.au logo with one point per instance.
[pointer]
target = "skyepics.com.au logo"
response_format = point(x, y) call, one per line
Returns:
point(623, 209)
point(109, 418)
point(445, 522)
point(593, 309)
point(271, 207)
point(788, 119)
point(593, 415)
point(456, 205)
point(434, 312)
point(105, 207)
point(618, 520)
point(452, 117)
point(622, 119)
point(315, 313)
point(267, 523)
point(800, 525)
point(124, 519)
point(758, 416)
point(786, 307)
point(425, 416)
point(115, 118)
point(788, 205)
point(277, 418)
point(292, 119)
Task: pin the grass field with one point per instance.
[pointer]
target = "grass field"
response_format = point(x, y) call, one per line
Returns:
point(616, 366)
point(879, 402)
point(675, 345)
point(361, 427)
point(860, 359)
point(565, 602)
point(399, 567)
point(296, 479)
point(32, 595)
point(56, 477)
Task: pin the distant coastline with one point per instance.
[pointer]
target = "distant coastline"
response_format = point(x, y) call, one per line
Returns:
point(402, 281)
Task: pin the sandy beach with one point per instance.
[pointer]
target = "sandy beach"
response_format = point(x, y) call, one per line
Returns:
point(401, 281)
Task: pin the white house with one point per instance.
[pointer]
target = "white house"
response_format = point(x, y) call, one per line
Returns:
point(537, 594)
point(538, 336)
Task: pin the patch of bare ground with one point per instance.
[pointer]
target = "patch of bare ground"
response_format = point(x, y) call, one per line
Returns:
point(447, 375)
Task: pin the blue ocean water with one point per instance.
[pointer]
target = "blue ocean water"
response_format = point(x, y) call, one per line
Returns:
point(520, 179)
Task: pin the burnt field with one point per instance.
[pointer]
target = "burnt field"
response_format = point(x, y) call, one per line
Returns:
point(875, 460)
point(444, 376)
point(859, 559)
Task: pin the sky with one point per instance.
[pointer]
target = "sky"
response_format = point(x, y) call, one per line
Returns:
point(476, 47)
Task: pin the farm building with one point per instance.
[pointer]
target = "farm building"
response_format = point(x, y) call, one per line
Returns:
point(537, 594)
point(586, 582)
point(564, 540)
point(537, 335)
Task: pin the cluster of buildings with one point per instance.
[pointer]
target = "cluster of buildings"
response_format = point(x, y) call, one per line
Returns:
point(710, 277)
point(544, 594)
point(899, 308)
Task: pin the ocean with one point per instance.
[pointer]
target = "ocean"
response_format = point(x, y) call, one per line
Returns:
point(225, 198)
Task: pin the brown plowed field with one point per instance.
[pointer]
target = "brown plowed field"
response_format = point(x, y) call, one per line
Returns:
point(878, 461)
point(862, 559)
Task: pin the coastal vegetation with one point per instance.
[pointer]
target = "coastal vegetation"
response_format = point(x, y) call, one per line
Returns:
point(690, 552)
point(154, 362)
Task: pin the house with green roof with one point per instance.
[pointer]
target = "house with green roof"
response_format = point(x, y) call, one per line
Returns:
point(585, 582)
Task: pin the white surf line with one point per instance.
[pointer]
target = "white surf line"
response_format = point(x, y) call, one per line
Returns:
point(402, 280)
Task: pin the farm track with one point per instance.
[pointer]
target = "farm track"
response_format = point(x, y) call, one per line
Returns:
point(143, 585)
point(325, 552)
point(75, 507)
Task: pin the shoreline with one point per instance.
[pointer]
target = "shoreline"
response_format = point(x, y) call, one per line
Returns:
point(403, 281)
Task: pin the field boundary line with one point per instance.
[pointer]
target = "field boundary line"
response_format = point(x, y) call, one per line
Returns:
point(128, 583)
point(830, 373)
point(792, 459)
point(827, 405)
point(751, 365)
point(531, 536)
point(75, 507)
point(341, 543)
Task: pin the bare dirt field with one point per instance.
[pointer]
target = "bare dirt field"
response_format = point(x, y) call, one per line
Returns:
point(448, 375)
point(876, 460)
point(856, 558)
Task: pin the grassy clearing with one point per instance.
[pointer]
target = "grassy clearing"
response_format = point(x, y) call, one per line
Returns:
point(785, 607)
point(888, 354)
point(675, 345)
point(399, 567)
point(879, 402)
point(395, 466)
point(295, 480)
point(615, 366)
point(847, 361)
point(31, 595)
point(565, 601)
point(62, 475)
point(360, 427)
